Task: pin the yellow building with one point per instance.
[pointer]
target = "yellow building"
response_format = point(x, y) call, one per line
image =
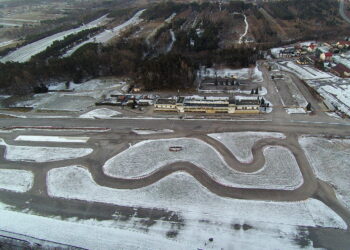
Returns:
point(165, 105)
point(209, 105)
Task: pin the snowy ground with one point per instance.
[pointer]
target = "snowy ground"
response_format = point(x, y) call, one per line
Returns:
point(103, 113)
point(335, 90)
point(280, 171)
point(42, 138)
point(57, 101)
point(295, 110)
point(173, 40)
point(192, 199)
point(253, 74)
point(304, 72)
point(275, 51)
point(241, 143)
point(150, 132)
point(24, 53)
point(245, 30)
point(238, 230)
point(330, 159)
point(42, 154)
point(339, 92)
point(81, 97)
point(16, 180)
point(107, 35)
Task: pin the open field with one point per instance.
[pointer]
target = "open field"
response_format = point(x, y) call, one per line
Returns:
point(42, 154)
point(16, 180)
point(240, 144)
point(330, 160)
point(24, 53)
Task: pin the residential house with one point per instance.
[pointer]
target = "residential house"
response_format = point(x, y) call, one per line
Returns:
point(341, 70)
point(311, 48)
point(343, 44)
point(327, 56)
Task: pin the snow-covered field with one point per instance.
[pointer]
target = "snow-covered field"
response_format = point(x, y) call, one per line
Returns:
point(42, 154)
point(280, 171)
point(240, 143)
point(192, 199)
point(43, 138)
point(335, 90)
point(81, 97)
point(339, 92)
point(253, 74)
point(107, 35)
point(16, 180)
point(229, 232)
point(150, 132)
point(24, 53)
point(102, 113)
point(304, 72)
point(330, 159)
point(57, 101)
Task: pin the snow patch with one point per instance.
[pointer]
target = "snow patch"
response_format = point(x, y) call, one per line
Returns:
point(42, 138)
point(16, 180)
point(42, 154)
point(295, 110)
point(103, 113)
point(150, 132)
point(253, 74)
point(329, 159)
point(241, 143)
point(304, 72)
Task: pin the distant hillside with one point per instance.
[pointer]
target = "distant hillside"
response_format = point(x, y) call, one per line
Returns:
point(175, 38)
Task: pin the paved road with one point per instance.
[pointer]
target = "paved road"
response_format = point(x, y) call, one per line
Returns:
point(342, 11)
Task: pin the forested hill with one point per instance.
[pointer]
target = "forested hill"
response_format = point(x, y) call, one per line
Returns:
point(165, 49)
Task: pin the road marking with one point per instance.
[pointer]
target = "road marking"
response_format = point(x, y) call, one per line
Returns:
point(327, 123)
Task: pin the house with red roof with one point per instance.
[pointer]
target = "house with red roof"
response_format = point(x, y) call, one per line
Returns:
point(340, 70)
point(312, 47)
point(343, 44)
point(327, 56)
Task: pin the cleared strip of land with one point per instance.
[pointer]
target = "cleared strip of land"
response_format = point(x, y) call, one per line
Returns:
point(42, 138)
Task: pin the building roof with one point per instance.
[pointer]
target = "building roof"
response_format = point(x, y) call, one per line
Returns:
point(344, 43)
point(328, 54)
point(341, 68)
point(180, 99)
point(247, 102)
point(166, 101)
point(312, 46)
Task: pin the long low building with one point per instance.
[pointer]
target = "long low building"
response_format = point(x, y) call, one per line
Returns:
point(208, 105)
